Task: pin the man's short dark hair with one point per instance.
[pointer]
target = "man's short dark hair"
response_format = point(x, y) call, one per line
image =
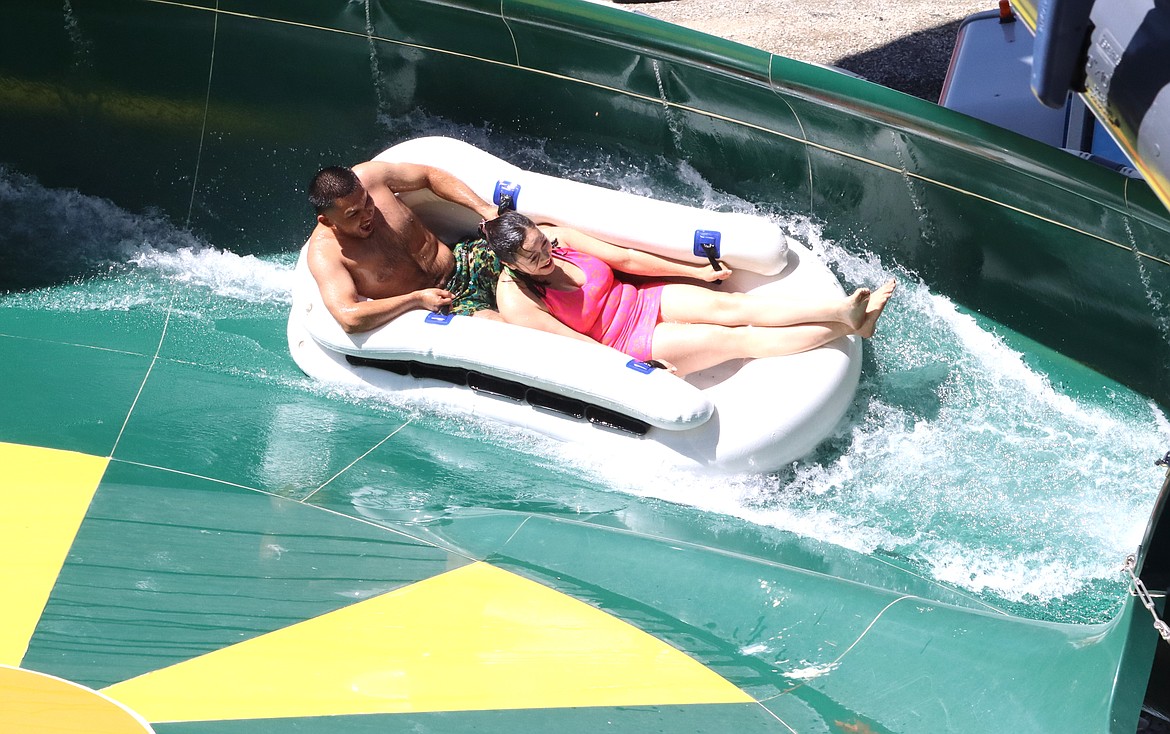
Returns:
point(329, 185)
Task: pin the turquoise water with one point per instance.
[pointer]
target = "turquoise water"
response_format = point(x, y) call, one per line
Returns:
point(968, 456)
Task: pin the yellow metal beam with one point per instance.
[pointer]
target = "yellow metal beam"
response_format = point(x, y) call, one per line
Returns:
point(475, 638)
point(45, 494)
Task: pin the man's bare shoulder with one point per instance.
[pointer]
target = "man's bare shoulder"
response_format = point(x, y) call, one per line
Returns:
point(323, 246)
point(394, 177)
point(378, 173)
point(368, 167)
point(326, 263)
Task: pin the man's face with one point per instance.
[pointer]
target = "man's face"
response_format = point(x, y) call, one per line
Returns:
point(353, 215)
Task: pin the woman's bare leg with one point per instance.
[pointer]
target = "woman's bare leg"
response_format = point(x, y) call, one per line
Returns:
point(695, 346)
point(692, 347)
point(691, 304)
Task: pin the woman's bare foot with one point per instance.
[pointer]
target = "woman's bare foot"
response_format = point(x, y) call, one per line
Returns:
point(854, 308)
point(876, 304)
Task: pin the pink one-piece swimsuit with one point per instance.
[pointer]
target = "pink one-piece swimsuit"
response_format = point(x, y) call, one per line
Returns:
point(617, 314)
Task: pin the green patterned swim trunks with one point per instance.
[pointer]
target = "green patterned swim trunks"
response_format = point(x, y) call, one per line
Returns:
point(474, 281)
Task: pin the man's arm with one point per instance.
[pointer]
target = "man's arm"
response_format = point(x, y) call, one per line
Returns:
point(352, 311)
point(399, 177)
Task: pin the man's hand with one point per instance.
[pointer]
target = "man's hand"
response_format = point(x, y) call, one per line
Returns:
point(433, 299)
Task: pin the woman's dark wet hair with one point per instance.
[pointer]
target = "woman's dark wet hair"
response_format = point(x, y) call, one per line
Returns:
point(505, 237)
point(329, 185)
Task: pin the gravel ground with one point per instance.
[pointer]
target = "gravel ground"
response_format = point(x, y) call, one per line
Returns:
point(903, 44)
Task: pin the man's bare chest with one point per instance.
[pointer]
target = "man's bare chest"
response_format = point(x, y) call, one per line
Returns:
point(386, 261)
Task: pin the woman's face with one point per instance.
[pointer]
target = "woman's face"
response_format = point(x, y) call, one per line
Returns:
point(535, 256)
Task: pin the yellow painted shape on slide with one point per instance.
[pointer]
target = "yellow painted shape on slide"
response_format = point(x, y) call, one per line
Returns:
point(475, 638)
point(45, 494)
point(35, 703)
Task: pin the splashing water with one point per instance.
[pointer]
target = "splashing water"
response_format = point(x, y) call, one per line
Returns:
point(77, 39)
point(376, 75)
point(55, 236)
point(1153, 298)
point(673, 124)
point(925, 223)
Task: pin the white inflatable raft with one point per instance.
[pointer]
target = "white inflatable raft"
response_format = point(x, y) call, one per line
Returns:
point(744, 415)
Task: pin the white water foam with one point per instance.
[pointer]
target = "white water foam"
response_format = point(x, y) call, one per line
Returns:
point(106, 258)
point(959, 457)
point(224, 274)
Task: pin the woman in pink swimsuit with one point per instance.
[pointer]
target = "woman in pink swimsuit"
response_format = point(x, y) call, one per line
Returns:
point(563, 281)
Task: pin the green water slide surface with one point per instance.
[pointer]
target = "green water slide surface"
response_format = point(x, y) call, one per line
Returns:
point(187, 533)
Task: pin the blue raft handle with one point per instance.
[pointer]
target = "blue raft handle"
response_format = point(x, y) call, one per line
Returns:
point(637, 366)
point(506, 195)
point(707, 245)
point(442, 319)
point(646, 367)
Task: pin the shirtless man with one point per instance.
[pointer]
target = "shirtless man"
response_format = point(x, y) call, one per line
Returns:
point(373, 259)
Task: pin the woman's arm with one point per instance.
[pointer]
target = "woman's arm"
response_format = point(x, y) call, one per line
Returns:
point(634, 262)
point(520, 306)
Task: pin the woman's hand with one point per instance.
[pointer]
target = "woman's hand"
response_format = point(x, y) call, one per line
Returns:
point(708, 274)
point(662, 364)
